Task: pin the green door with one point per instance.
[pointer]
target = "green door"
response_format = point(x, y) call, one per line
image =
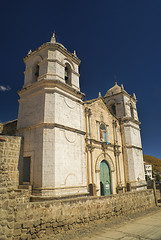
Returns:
point(105, 183)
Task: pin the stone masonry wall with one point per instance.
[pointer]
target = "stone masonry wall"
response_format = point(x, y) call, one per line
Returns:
point(9, 156)
point(9, 128)
point(34, 220)
point(10, 195)
point(21, 219)
point(1, 128)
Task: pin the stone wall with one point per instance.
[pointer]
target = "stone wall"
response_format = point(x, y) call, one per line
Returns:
point(9, 156)
point(21, 219)
point(1, 128)
point(9, 128)
point(10, 195)
point(34, 220)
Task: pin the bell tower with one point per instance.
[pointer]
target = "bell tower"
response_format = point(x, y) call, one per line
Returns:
point(123, 106)
point(51, 121)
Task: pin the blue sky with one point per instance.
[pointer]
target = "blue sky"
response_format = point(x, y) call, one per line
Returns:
point(116, 39)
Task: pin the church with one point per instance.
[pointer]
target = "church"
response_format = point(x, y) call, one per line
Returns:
point(72, 147)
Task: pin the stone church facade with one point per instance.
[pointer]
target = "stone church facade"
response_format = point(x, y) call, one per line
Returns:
point(71, 147)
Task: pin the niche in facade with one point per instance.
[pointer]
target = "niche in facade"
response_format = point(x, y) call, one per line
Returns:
point(103, 132)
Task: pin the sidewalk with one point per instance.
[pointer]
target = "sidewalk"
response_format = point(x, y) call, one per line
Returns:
point(145, 227)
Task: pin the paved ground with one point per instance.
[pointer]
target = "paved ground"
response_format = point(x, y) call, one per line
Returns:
point(146, 227)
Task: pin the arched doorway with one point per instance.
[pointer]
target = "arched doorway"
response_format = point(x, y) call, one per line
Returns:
point(105, 180)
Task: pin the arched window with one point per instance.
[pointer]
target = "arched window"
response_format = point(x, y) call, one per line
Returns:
point(103, 132)
point(113, 108)
point(67, 74)
point(35, 72)
point(132, 111)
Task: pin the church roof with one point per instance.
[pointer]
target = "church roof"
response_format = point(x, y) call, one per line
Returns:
point(114, 90)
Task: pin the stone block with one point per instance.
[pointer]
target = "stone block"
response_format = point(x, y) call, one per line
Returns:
point(36, 223)
point(54, 224)
point(34, 236)
point(3, 190)
point(48, 224)
point(3, 217)
point(65, 227)
point(10, 218)
point(6, 230)
point(4, 238)
point(17, 232)
point(49, 231)
point(24, 236)
point(32, 231)
point(9, 236)
point(27, 225)
point(10, 225)
point(40, 233)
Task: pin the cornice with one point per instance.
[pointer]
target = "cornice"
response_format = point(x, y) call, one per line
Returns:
point(46, 84)
point(129, 119)
point(123, 92)
point(94, 141)
point(53, 125)
point(133, 146)
point(54, 46)
point(134, 127)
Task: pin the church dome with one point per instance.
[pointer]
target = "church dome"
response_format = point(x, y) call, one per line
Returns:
point(114, 90)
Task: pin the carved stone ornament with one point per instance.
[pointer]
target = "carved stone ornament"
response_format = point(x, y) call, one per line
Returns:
point(88, 111)
point(90, 147)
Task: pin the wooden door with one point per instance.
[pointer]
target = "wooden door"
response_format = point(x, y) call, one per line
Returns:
point(105, 181)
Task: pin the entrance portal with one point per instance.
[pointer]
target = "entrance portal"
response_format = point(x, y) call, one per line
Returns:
point(105, 181)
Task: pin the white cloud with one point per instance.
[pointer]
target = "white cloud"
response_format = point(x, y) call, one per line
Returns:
point(3, 88)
